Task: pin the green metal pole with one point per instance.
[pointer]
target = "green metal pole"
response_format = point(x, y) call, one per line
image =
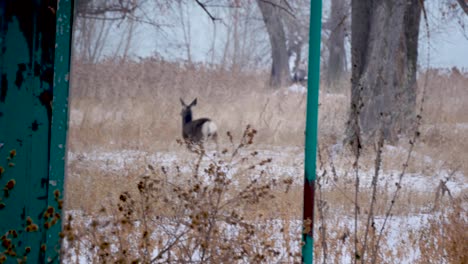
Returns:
point(311, 130)
point(59, 126)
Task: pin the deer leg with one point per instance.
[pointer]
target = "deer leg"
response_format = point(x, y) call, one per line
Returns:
point(215, 139)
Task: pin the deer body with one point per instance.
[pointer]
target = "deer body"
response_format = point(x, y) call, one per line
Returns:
point(197, 131)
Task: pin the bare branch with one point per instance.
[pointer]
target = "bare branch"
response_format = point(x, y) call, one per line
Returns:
point(203, 6)
point(463, 5)
point(120, 10)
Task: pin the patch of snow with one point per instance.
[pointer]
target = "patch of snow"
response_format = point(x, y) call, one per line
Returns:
point(295, 89)
point(286, 162)
point(461, 126)
point(292, 59)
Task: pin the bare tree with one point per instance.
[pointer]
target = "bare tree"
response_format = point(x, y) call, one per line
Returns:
point(90, 38)
point(271, 13)
point(94, 22)
point(463, 5)
point(184, 19)
point(337, 26)
point(384, 50)
point(297, 33)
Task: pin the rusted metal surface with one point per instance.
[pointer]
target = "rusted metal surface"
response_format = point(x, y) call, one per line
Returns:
point(30, 209)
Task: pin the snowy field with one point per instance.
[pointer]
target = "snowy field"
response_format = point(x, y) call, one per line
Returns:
point(399, 244)
point(286, 162)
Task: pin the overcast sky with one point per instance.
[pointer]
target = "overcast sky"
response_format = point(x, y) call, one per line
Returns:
point(448, 43)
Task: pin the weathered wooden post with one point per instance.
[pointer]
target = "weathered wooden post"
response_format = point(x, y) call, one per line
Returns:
point(35, 38)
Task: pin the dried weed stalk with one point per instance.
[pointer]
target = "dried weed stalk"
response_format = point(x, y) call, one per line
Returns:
point(206, 216)
point(445, 238)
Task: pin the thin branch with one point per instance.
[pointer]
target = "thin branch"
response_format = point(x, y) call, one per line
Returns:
point(203, 6)
point(168, 247)
point(377, 167)
point(98, 17)
point(109, 9)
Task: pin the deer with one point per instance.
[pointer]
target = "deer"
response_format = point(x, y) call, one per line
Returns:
point(197, 131)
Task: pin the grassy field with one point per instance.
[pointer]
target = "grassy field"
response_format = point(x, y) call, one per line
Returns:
point(124, 125)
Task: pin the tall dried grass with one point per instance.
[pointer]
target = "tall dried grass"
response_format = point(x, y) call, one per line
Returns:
point(135, 105)
point(445, 120)
point(126, 104)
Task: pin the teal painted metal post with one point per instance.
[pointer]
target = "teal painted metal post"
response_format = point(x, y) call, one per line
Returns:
point(59, 126)
point(33, 121)
point(311, 130)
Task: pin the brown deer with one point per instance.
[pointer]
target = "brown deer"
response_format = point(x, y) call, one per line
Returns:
point(197, 131)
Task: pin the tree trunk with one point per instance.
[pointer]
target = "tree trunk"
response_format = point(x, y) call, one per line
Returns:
point(384, 48)
point(336, 42)
point(271, 14)
point(295, 40)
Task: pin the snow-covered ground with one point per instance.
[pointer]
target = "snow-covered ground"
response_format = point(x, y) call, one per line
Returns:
point(288, 163)
point(398, 243)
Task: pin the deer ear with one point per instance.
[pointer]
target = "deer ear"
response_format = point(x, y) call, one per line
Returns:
point(194, 103)
point(182, 102)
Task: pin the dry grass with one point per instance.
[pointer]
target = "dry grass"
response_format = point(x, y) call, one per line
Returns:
point(128, 105)
point(445, 238)
point(206, 215)
point(135, 105)
point(445, 127)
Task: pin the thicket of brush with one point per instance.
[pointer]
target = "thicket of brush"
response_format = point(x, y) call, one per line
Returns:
point(211, 214)
point(228, 208)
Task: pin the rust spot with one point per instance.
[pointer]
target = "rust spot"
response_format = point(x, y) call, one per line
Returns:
point(46, 98)
point(13, 233)
point(50, 210)
point(32, 228)
point(10, 184)
point(12, 153)
point(6, 243)
point(308, 207)
point(11, 252)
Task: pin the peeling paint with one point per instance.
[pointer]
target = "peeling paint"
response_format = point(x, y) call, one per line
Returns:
point(3, 88)
point(19, 75)
point(35, 126)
